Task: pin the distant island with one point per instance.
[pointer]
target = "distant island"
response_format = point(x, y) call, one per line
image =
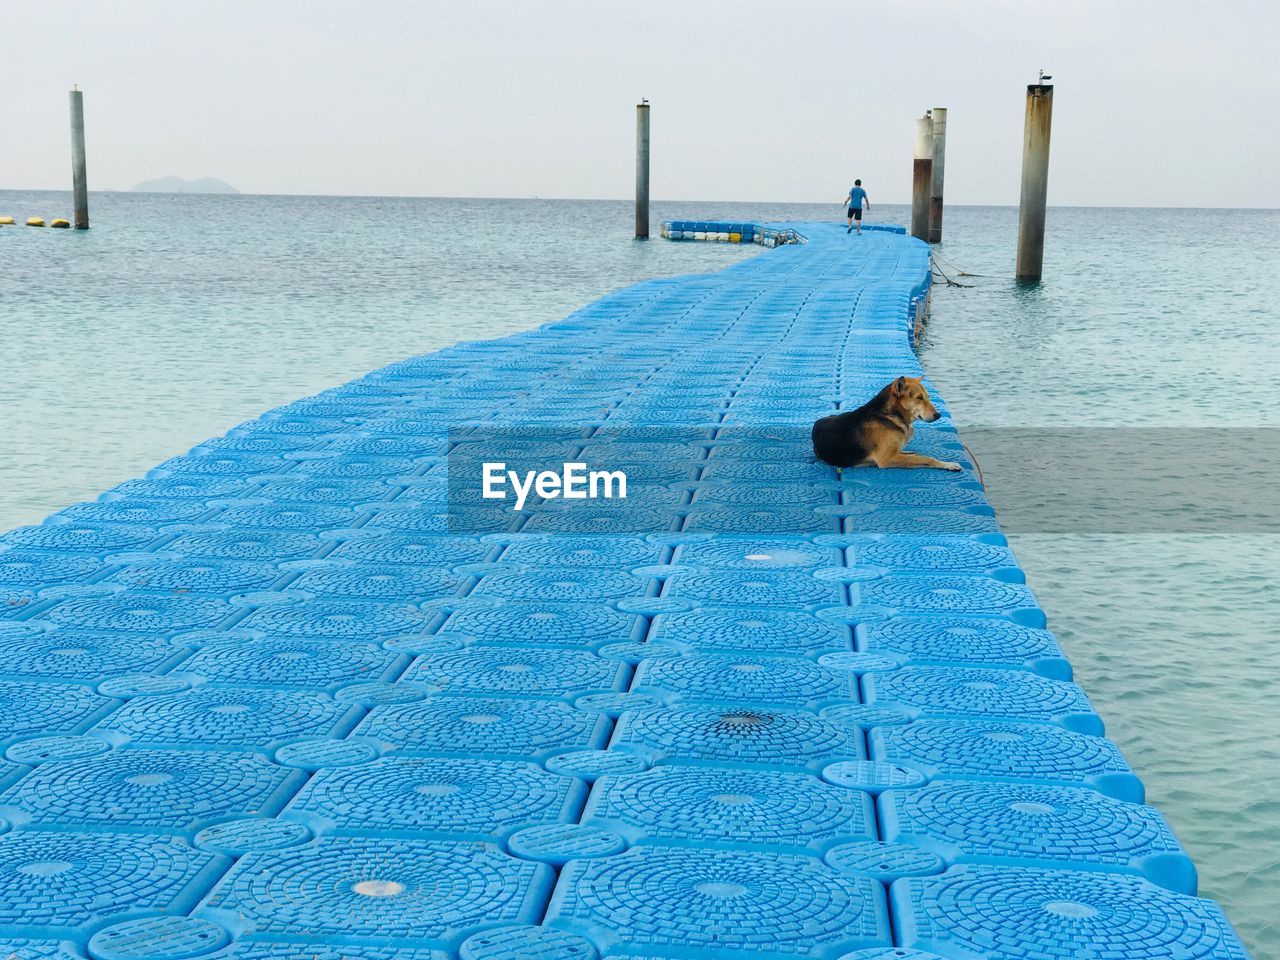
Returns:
point(178, 185)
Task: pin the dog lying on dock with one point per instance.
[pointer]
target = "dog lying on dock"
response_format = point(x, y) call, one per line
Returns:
point(878, 430)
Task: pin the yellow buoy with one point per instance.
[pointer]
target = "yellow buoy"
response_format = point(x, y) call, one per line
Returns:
point(34, 222)
point(61, 224)
point(6, 221)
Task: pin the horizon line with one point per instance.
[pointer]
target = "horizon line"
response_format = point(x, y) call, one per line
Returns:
point(411, 196)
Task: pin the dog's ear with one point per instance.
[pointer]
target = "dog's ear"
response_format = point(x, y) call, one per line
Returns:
point(898, 386)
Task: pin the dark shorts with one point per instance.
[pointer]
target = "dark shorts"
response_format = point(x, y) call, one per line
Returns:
point(856, 214)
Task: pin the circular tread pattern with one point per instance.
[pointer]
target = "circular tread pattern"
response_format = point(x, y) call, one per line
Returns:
point(508, 727)
point(526, 943)
point(757, 631)
point(726, 519)
point(731, 678)
point(30, 568)
point(356, 465)
point(777, 738)
point(694, 804)
point(224, 464)
point(417, 795)
point(998, 750)
point(567, 584)
point(389, 582)
point(935, 554)
point(248, 545)
point(289, 662)
point(140, 685)
point(959, 640)
point(872, 776)
point(30, 709)
point(608, 521)
point(140, 613)
point(1042, 914)
point(325, 752)
point(884, 861)
point(149, 788)
point(558, 843)
point(590, 765)
point(158, 938)
point(1028, 822)
point(778, 495)
point(600, 552)
point(514, 670)
point(723, 901)
point(229, 717)
point(928, 495)
point(942, 594)
point(762, 588)
point(339, 620)
point(81, 654)
point(417, 550)
point(73, 880)
point(198, 576)
point(300, 490)
point(183, 488)
point(758, 554)
point(543, 623)
point(45, 749)
point(82, 537)
point(922, 522)
point(982, 692)
point(376, 888)
point(238, 837)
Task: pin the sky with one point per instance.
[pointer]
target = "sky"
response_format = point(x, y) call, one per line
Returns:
point(1156, 103)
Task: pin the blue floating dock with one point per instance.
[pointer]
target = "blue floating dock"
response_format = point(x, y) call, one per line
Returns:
point(304, 692)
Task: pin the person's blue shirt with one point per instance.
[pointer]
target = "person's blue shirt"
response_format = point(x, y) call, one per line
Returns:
point(856, 196)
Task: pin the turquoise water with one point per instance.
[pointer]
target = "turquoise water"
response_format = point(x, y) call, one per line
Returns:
point(177, 317)
point(1148, 318)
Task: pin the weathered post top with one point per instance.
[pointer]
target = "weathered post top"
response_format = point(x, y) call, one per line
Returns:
point(922, 178)
point(642, 170)
point(1035, 181)
point(79, 176)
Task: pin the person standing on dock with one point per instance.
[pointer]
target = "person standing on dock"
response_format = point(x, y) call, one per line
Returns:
point(856, 198)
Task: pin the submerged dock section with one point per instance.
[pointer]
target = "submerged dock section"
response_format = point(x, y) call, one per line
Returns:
point(308, 692)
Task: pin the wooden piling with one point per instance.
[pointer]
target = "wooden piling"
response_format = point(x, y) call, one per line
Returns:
point(1035, 182)
point(642, 170)
point(922, 179)
point(79, 176)
point(939, 116)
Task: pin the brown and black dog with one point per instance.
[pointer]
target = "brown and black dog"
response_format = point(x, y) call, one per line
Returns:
point(877, 431)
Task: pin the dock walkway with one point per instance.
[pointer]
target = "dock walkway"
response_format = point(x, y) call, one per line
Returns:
point(303, 693)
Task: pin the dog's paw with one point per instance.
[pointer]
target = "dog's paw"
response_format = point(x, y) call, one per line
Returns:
point(948, 465)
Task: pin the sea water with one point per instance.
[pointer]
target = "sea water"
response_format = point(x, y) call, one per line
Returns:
point(1161, 328)
point(177, 317)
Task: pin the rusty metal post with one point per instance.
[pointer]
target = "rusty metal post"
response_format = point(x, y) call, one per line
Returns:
point(79, 176)
point(939, 163)
point(642, 170)
point(1035, 182)
point(922, 179)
